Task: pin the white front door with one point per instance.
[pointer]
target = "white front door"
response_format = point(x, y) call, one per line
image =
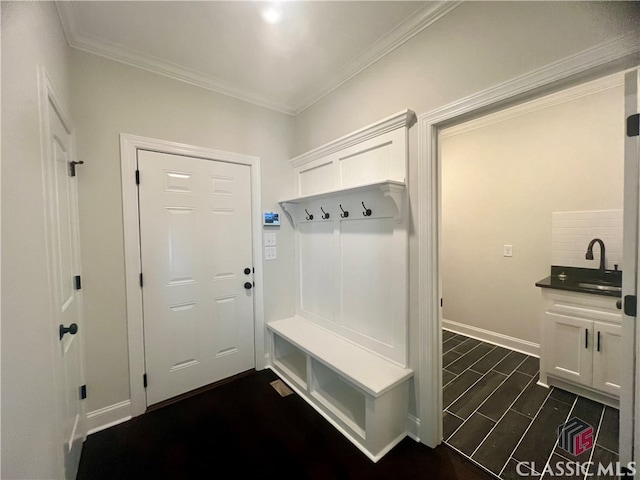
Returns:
point(629, 395)
point(196, 249)
point(64, 270)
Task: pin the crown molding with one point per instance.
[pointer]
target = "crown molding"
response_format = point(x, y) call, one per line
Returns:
point(404, 32)
point(87, 43)
point(392, 40)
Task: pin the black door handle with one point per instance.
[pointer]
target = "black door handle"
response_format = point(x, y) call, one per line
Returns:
point(248, 285)
point(72, 329)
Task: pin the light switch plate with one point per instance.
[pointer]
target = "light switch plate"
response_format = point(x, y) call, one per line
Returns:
point(270, 253)
point(269, 239)
point(508, 250)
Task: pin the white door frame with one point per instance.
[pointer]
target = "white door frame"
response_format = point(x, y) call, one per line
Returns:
point(129, 146)
point(630, 442)
point(606, 59)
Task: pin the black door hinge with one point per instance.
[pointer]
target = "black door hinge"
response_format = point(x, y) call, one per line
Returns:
point(141, 281)
point(633, 125)
point(441, 302)
point(77, 282)
point(83, 392)
point(144, 380)
point(630, 305)
point(137, 177)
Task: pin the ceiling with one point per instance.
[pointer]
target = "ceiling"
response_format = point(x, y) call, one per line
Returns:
point(227, 46)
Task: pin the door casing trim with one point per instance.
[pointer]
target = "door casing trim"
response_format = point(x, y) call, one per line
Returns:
point(129, 146)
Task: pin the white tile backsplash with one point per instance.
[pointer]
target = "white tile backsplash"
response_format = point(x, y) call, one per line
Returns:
point(571, 233)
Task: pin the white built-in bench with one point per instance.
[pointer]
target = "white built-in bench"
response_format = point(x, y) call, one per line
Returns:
point(362, 394)
point(346, 351)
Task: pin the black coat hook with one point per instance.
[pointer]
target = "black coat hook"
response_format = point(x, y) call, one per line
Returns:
point(309, 215)
point(325, 215)
point(367, 211)
point(72, 167)
point(344, 213)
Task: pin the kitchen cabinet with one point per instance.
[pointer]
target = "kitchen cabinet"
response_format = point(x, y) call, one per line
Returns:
point(580, 351)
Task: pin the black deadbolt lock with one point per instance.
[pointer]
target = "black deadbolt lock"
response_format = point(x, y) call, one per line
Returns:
point(247, 271)
point(248, 285)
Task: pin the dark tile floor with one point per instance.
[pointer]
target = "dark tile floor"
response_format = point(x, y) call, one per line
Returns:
point(496, 415)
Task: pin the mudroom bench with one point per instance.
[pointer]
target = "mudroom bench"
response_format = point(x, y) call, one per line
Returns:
point(362, 394)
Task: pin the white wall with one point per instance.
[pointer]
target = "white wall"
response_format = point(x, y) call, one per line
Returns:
point(31, 441)
point(501, 183)
point(110, 98)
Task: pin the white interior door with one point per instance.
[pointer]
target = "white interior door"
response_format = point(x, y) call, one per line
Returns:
point(63, 237)
point(629, 408)
point(196, 249)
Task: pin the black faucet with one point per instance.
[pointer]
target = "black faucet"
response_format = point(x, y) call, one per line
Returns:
point(589, 255)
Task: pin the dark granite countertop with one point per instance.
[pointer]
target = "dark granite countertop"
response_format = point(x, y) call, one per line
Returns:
point(584, 280)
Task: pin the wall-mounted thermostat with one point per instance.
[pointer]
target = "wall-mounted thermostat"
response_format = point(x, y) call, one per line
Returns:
point(271, 218)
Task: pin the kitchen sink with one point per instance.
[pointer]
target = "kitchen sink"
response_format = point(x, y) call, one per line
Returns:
point(601, 286)
point(587, 280)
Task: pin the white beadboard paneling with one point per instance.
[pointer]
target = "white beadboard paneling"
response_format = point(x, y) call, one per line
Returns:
point(318, 178)
point(376, 159)
point(571, 233)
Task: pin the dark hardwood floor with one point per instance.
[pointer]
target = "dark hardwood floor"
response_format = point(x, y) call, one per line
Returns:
point(245, 429)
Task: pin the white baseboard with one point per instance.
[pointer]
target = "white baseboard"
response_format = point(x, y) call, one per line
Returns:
point(499, 339)
point(413, 427)
point(106, 417)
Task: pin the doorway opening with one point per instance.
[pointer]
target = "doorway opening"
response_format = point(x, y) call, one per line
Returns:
point(523, 189)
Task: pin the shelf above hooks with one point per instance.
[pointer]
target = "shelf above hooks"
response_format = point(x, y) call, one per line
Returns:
point(389, 190)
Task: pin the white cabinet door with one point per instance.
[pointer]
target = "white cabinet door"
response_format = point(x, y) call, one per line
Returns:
point(606, 357)
point(196, 243)
point(568, 346)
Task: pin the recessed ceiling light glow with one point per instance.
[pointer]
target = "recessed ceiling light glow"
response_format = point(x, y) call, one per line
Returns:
point(272, 14)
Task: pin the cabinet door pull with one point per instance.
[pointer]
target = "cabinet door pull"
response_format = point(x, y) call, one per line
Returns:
point(586, 339)
point(598, 342)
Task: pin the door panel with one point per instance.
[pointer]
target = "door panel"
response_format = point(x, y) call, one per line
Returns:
point(606, 358)
point(195, 230)
point(61, 193)
point(568, 345)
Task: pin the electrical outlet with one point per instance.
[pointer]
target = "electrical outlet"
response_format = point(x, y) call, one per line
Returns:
point(269, 239)
point(270, 253)
point(508, 250)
